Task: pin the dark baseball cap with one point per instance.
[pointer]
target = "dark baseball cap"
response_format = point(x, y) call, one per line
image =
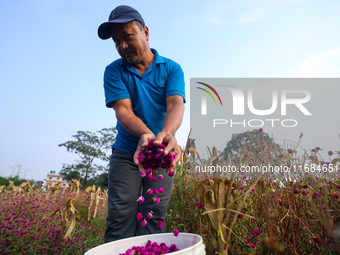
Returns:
point(120, 14)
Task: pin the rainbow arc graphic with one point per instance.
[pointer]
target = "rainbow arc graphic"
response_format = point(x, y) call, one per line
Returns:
point(209, 93)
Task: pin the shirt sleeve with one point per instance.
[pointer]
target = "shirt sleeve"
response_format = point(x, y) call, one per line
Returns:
point(175, 81)
point(114, 86)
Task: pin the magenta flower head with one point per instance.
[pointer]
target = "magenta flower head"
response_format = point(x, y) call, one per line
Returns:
point(338, 187)
point(149, 171)
point(160, 177)
point(160, 224)
point(253, 245)
point(317, 240)
point(173, 248)
point(143, 223)
point(155, 191)
point(330, 153)
point(290, 151)
point(171, 174)
point(149, 192)
point(139, 216)
point(149, 215)
point(257, 232)
point(140, 199)
point(156, 200)
point(153, 179)
point(129, 252)
point(296, 191)
point(240, 215)
point(261, 130)
point(305, 186)
point(161, 190)
point(317, 148)
point(176, 232)
point(246, 155)
point(303, 192)
point(143, 174)
point(336, 196)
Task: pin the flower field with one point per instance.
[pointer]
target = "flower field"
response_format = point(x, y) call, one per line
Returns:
point(295, 213)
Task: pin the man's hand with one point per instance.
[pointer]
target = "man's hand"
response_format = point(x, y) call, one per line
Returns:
point(170, 140)
point(143, 142)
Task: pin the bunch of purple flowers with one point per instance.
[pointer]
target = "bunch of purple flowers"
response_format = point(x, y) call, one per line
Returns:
point(151, 248)
point(153, 156)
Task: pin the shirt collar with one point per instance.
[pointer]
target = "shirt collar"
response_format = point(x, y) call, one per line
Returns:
point(158, 59)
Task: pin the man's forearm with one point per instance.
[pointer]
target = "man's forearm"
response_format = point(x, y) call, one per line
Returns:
point(133, 124)
point(173, 118)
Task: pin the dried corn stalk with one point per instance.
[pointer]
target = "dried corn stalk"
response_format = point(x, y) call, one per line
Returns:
point(67, 225)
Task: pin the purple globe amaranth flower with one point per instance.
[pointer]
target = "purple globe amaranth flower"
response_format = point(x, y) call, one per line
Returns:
point(240, 215)
point(155, 191)
point(129, 252)
point(253, 245)
point(175, 232)
point(143, 223)
point(139, 216)
point(149, 192)
point(317, 148)
point(317, 240)
point(338, 187)
point(261, 130)
point(305, 186)
point(149, 171)
point(280, 156)
point(296, 191)
point(153, 179)
point(142, 174)
point(336, 196)
point(160, 224)
point(199, 206)
point(156, 200)
point(171, 173)
point(173, 247)
point(255, 145)
point(257, 232)
point(246, 155)
point(140, 199)
point(290, 151)
point(149, 215)
point(161, 190)
point(303, 192)
point(330, 153)
point(161, 177)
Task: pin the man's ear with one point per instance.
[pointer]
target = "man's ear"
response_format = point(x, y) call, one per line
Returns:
point(146, 32)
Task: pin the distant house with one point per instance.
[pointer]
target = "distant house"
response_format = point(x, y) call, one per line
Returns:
point(52, 179)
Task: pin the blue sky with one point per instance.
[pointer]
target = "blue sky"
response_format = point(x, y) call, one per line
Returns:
point(52, 61)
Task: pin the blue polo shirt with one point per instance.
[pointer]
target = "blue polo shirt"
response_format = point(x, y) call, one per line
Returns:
point(148, 93)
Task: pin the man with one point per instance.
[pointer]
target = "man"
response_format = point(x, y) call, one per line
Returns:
point(147, 94)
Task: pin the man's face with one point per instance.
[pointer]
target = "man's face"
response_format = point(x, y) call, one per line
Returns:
point(131, 43)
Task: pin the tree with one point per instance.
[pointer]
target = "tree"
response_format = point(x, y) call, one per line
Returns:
point(246, 141)
point(89, 146)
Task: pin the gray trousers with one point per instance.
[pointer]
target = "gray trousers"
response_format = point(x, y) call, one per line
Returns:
point(125, 186)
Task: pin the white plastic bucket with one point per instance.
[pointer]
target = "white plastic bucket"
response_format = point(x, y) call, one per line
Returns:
point(188, 244)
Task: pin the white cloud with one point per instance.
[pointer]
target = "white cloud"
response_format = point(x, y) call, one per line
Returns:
point(325, 64)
